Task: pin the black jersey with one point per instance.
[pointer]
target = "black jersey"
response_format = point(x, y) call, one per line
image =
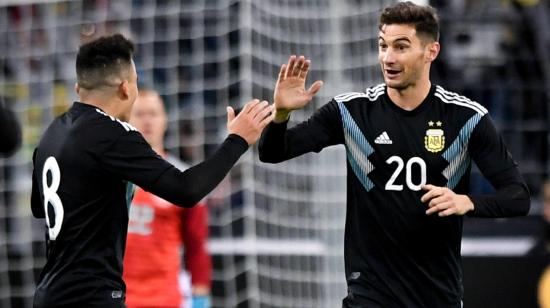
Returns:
point(83, 169)
point(395, 254)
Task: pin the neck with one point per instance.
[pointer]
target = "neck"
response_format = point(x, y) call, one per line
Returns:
point(410, 97)
point(104, 102)
point(159, 149)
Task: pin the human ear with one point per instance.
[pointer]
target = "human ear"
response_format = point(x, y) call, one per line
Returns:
point(432, 51)
point(123, 90)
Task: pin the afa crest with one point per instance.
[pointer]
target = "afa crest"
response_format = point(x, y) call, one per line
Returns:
point(434, 141)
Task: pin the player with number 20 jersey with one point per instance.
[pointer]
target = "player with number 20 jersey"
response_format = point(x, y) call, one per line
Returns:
point(394, 252)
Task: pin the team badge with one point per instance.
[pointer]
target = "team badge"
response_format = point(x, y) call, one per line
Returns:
point(434, 141)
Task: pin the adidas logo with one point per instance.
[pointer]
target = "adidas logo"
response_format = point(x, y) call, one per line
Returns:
point(383, 139)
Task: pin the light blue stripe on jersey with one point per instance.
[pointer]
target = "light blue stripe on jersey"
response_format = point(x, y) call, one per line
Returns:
point(130, 190)
point(457, 154)
point(357, 148)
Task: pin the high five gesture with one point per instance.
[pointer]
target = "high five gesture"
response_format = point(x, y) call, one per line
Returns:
point(290, 92)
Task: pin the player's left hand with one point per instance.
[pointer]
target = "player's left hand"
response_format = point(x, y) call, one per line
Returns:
point(445, 202)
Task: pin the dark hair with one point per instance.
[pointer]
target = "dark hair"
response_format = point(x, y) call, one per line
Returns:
point(423, 18)
point(101, 59)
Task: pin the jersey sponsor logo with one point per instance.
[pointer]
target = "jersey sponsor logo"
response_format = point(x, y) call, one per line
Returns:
point(126, 126)
point(383, 139)
point(434, 141)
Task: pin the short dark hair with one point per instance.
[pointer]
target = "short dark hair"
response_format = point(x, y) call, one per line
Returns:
point(423, 18)
point(101, 59)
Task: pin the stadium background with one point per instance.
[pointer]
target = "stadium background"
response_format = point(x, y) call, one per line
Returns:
point(277, 230)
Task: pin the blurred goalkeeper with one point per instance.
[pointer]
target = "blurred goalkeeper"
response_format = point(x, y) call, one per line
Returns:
point(409, 147)
point(84, 167)
point(157, 230)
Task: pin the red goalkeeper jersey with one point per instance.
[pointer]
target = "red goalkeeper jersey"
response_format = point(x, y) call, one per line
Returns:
point(157, 231)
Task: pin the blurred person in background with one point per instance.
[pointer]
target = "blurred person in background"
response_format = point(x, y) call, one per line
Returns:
point(409, 148)
point(158, 230)
point(546, 214)
point(544, 281)
point(84, 167)
point(10, 131)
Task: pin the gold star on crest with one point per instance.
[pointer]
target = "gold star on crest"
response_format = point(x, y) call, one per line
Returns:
point(431, 123)
point(438, 123)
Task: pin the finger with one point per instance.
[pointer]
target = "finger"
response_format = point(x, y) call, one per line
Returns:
point(305, 69)
point(448, 212)
point(258, 108)
point(429, 195)
point(249, 106)
point(230, 114)
point(432, 192)
point(264, 112)
point(290, 66)
point(438, 208)
point(298, 67)
point(315, 87)
point(428, 187)
point(439, 199)
point(268, 118)
point(282, 72)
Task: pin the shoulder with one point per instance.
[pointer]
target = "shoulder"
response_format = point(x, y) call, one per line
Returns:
point(371, 94)
point(460, 101)
point(112, 123)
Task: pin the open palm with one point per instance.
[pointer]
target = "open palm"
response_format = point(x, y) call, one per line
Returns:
point(290, 92)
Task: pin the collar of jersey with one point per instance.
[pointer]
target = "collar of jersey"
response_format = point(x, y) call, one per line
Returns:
point(423, 106)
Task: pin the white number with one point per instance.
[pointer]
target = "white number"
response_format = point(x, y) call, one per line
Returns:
point(408, 173)
point(51, 196)
point(389, 184)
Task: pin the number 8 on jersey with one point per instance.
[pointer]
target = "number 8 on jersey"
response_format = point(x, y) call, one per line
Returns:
point(51, 196)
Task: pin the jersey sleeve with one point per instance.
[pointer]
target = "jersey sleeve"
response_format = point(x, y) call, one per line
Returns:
point(131, 158)
point(322, 129)
point(495, 162)
point(195, 235)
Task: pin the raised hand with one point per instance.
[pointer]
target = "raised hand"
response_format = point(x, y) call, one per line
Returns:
point(251, 121)
point(290, 92)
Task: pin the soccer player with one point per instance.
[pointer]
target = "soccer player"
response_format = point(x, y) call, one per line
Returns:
point(157, 230)
point(409, 147)
point(84, 167)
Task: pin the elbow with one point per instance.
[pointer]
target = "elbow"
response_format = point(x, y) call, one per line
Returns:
point(524, 206)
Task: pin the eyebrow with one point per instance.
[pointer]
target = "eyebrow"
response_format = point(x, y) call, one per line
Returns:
point(405, 39)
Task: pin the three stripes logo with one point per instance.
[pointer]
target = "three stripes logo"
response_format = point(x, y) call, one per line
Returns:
point(383, 139)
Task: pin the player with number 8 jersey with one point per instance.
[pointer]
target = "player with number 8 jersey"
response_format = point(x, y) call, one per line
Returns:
point(409, 146)
point(84, 167)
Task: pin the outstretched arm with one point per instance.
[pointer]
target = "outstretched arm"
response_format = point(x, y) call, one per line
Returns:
point(131, 158)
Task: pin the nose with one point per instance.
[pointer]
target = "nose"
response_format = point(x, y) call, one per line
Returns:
point(388, 56)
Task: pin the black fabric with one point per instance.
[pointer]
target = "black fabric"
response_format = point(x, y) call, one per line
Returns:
point(98, 157)
point(395, 254)
point(10, 131)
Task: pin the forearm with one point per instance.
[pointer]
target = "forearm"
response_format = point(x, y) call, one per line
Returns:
point(510, 199)
point(272, 146)
point(187, 188)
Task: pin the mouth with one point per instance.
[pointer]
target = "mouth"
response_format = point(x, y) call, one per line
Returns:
point(392, 73)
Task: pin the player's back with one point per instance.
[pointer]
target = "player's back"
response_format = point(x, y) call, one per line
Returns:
point(86, 214)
